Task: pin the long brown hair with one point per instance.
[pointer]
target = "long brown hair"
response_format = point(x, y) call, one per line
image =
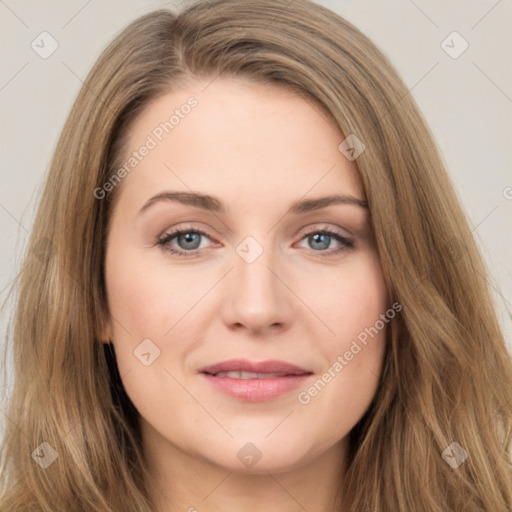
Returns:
point(447, 376)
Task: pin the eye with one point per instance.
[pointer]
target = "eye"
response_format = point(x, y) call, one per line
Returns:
point(187, 238)
point(321, 239)
point(188, 241)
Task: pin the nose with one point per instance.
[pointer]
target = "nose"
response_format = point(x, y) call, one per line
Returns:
point(258, 299)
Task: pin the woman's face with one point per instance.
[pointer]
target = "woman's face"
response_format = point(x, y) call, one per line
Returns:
point(282, 289)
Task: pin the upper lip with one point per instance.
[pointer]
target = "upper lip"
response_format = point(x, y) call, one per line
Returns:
point(244, 365)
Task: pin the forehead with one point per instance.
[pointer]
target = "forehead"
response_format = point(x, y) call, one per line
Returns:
point(239, 140)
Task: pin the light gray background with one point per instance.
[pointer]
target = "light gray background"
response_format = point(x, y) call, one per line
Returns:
point(467, 102)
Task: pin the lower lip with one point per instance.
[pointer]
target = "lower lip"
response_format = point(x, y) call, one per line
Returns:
point(256, 390)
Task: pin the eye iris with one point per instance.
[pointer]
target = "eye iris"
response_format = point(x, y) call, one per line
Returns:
point(315, 238)
point(188, 238)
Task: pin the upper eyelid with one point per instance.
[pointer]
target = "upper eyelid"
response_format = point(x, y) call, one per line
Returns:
point(321, 227)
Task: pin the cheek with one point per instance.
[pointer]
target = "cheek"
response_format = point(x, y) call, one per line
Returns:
point(162, 303)
point(353, 356)
point(351, 300)
point(146, 300)
point(149, 303)
point(362, 332)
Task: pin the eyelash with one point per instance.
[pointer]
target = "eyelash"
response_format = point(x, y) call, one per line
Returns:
point(346, 243)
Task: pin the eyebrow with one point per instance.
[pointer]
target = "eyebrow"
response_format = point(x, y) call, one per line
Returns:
point(210, 203)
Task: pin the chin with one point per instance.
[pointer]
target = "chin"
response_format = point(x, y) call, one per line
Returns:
point(257, 455)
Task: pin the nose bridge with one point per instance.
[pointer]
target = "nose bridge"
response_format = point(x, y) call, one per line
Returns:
point(254, 280)
point(257, 296)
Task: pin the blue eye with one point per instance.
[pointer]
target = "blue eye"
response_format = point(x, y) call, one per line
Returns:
point(189, 239)
point(189, 242)
point(321, 240)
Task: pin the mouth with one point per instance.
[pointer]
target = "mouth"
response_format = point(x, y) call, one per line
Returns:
point(255, 381)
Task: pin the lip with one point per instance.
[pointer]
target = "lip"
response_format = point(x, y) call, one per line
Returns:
point(258, 389)
point(244, 365)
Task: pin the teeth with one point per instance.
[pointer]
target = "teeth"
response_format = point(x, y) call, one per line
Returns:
point(250, 375)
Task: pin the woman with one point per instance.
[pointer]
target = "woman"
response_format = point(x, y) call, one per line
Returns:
point(330, 342)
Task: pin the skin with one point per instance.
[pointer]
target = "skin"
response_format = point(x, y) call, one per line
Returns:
point(258, 149)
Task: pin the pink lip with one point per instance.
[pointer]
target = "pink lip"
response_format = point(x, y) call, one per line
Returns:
point(257, 389)
point(243, 365)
